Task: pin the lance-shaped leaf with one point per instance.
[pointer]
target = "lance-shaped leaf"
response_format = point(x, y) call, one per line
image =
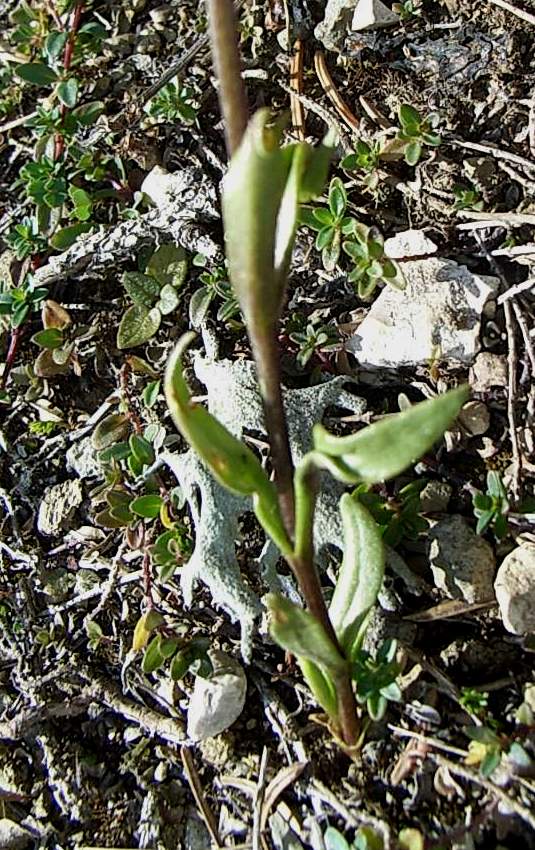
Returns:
point(261, 192)
point(231, 462)
point(298, 631)
point(384, 449)
point(360, 576)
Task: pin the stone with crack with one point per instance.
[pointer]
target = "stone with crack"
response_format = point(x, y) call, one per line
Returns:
point(515, 590)
point(462, 563)
point(185, 203)
point(217, 701)
point(57, 505)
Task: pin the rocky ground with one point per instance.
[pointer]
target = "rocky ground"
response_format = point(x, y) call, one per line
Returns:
point(107, 515)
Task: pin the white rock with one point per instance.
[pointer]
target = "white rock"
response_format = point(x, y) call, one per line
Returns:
point(336, 24)
point(83, 459)
point(462, 562)
point(371, 15)
point(13, 836)
point(56, 507)
point(218, 701)
point(409, 243)
point(437, 314)
point(515, 590)
point(489, 370)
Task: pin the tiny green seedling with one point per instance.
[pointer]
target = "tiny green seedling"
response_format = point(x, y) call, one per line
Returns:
point(491, 508)
point(365, 159)
point(18, 302)
point(330, 223)
point(407, 9)
point(215, 286)
point(375, 679)
point(416, 132)
point(314, 338)
point(58, 339)
point(154, 293)
point(467, 198)
point(397, 519)
point(371, 265)
point(174, 102)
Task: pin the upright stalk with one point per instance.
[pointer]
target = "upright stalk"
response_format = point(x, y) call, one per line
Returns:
point(264, 345)
point(227, 64)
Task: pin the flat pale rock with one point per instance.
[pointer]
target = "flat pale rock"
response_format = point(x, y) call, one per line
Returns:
point(218, 701)
point(437, 315)
point(515, 590)
point(462, 562)
point(372, 15)
point(13, 836)
point(489, 370)
point(57, 506)
point(336, 24)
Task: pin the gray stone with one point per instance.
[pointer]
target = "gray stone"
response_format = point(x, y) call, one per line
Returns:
point(336, 23)
point(83, 458)
point(462, 563)
point(515, 590)
point(489, 370)
point(435, 497)
point(372, 15)
point(475, 418)
point(438, 314)
point(218, 701)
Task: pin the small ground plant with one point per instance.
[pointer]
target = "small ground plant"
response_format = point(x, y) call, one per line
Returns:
point(416, 132)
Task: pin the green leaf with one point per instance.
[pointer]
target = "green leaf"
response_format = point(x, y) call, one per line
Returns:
point(490, 762)
point(199, 305)
point(231, 462)
point(150, 393)
point(142, 289)
point(408, 115)
point(110, 430)
point(413, 152)
point(334, 840)
point(168, 265)
point(88, 113)
point(324, 238)
point(147, 506)
point(55, 44)
point(137, 326)
point(323, 216)
point(411, 839)
point(360, 577)
point(368, 839)
point(337, 197)
point(67, 91)
point(168, 300)
point(384, 449)
point(50, 338)
point(141, 449)
point(146, 624)
point(67, 236)
point(297, 631)
point(36, 73)
point(153, 658)
point(118, 452)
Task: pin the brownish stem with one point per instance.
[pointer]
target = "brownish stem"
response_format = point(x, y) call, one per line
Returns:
point(266, 356)
point(227, 64)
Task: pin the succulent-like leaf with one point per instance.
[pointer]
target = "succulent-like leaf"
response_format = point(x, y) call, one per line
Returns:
point(298, 631)
point(146, 624)
point(147, 506)
point(384, 449)
point(231, 462)
point(110, 430)
point(142, 289)
point(361, 574)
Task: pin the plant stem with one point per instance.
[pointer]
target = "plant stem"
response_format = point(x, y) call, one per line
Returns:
point(266, 355)
point(227, 64)
point(303, 565)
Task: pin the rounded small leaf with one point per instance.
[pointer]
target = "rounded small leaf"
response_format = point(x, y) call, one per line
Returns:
point(141, 449)
point(141, 288)
point(49, 338)
point(168, 299)
point(146, 624)
point(110, 430)
point(337, 197)
point(168, 265)
point(36, 73)
point(67, 91)
point(137, 326)
point(199, 305)
point(413, 152)
point(147, 506)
